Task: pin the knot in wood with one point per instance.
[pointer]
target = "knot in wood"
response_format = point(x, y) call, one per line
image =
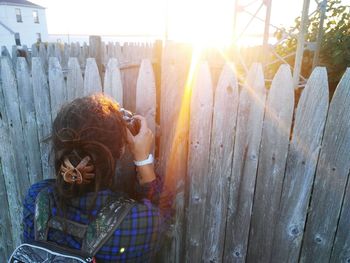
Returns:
point(196, 198)
point(252, 157)
point(294, 230)
point(236, 253)
point(194, 242)
point(318, 239)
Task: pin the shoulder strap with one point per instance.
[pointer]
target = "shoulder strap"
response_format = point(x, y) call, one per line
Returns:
point(105, 224)
point(94, 235)
point(41, 216)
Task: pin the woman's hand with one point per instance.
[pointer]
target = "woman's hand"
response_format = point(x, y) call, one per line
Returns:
point(141, 145)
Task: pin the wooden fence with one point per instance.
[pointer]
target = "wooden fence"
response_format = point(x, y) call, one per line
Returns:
point(255, 179)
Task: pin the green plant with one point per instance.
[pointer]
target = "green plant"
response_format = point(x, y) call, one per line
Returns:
point(335, 45)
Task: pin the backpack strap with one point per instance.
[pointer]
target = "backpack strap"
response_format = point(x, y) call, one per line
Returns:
point(105, 224)
point(43, 221)
point(94, 235)
point(41, 216)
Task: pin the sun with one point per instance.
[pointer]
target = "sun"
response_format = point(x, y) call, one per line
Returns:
point(203, 23)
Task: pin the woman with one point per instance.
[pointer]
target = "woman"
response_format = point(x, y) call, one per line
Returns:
point(89, 136)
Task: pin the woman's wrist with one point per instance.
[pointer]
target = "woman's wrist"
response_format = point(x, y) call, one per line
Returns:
point(146, 173)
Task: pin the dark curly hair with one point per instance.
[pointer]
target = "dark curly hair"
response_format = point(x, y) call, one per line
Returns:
point(90, 126)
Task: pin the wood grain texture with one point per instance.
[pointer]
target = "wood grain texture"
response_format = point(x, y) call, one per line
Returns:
point(92, 80)
point(5, 52)
point(57, 85)
point(95, 51)
point(65, 55)
point(43, 56)
point(198, 160)
point(83, 55)
point(113, 85)
point(75, 82)
point(301, 165)
point(10, 224)
point(146, 94)
point(6, 243)
point(14, 55)
point(50, 50)
point(245, 162)
point(331, 177)
point(104, 58)
point(29, 125)
point(129, 78)
point(58, 53)
point(272, 162)
point(9, 90)
point(221, 153)
point(42, 106)
point(35, 50)
point(118, 52)
point(174, 140)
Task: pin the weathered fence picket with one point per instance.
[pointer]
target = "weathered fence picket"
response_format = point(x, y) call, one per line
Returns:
point(331, 178)
point(29, 124)
point(221, 153)
point(42, 106)
point(58, 89)
point(245, 162)
point(92, 80)
point(9, 90)
point(43, 56)
point(13, 159)
point(51, 50)
point(8, 175)
point(198, 160)
point(146, 94)
point(75, 82)
point(6, 243)
point(272, 161)
point(113, 85)
point(301, 165)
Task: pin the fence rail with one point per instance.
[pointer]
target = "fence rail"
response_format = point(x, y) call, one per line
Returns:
point(256, 180)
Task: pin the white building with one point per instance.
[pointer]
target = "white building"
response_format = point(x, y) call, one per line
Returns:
point(21, 23)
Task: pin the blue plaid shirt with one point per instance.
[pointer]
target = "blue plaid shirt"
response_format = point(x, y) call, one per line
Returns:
point(137, 237)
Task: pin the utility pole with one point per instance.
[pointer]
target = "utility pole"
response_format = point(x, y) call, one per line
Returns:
point(322, 7)
point(301, 42)
point(266, 30)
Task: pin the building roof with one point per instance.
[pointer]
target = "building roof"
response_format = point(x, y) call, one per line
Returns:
point(20, 3)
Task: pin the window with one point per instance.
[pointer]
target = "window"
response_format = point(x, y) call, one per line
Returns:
point(18, 15)
point(38, 37)
point(36, 16)
point(17, 39)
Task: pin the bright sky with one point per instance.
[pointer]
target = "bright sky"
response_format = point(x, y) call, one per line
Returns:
point(209, 20)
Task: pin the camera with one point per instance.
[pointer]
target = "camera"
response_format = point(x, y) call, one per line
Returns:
point(133, 124)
